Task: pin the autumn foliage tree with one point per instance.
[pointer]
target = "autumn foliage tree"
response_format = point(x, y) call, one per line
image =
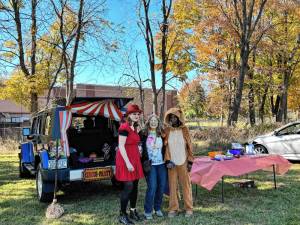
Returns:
point(191, 99)
point(15, 51)
point(246, 50)
point(48, 40)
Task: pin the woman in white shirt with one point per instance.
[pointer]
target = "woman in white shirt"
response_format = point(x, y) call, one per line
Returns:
point(154, 166)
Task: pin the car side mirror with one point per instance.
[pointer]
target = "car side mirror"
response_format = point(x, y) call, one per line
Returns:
point(26, 131)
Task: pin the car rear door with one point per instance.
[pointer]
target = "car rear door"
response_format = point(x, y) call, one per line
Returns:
point(290, 137)
point(294, 142)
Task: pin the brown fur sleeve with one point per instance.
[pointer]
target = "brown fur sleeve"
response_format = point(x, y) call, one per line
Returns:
point(166, 137)
point(189, 144)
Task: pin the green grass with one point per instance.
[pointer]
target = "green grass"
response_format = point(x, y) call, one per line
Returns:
point(98, 203)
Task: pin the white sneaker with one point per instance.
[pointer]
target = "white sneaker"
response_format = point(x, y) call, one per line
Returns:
point(159, 213)
point(188, 213)
point(172, 214)
point(148, 216)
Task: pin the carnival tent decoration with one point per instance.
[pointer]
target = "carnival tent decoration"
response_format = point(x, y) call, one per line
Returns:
point(107, 109)
point(65, 118)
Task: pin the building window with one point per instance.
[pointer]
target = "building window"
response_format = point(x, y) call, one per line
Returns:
point(16, 119)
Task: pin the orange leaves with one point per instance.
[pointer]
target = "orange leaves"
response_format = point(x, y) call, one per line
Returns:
point(192, 99)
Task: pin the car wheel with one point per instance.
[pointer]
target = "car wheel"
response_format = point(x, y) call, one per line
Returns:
point(23, 172)
point(260, 149)
point(117, 184)
point(42, 186)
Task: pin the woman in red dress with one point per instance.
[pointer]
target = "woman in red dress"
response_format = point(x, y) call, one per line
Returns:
point(128, 164)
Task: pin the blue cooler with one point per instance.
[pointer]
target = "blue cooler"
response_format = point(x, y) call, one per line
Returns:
point(44, 159)
point(27, 152)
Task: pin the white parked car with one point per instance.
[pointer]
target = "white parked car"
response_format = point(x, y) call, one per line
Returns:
point(284, 141)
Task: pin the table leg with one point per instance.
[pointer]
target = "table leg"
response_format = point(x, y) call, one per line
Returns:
point(222, 189)
point(274, 177)
point(196, 191)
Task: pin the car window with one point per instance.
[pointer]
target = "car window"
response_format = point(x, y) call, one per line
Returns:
point(78, 122)
point(34, 126)
point(297, 129)
point(41, 124)
point(293, 129)
point(47, 125)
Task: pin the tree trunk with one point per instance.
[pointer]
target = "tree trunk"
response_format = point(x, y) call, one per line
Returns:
point(234, 108)
point(262, 105)
point(251, 98)
point(139, 83)
point(154, 103)
point(17, 18)
point(149, 41)
point(70, 93)
point(222, 116)
point(142, 99)
point(275, 107)
point(34, 95)
point(282, 112)
point(34, 102)
point(247, 23)
point(251, 101)
point(164, 56)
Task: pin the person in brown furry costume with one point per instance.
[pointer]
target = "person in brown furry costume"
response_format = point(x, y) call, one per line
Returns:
point(179, 160)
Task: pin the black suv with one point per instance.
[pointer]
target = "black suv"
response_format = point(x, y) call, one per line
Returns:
point(85, 136)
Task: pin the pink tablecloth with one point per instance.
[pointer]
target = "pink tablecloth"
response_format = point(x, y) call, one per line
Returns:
point(206, 172)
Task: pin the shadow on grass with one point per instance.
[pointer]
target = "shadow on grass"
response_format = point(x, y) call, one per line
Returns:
point(261, 205)
point(8, 170)
point(79, 191)
point(98, 203)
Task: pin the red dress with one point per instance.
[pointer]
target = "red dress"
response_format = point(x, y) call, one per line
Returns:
point(132, 150)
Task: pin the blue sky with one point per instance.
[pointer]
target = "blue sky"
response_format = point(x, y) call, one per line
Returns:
point(112, 66)
point(122, 12)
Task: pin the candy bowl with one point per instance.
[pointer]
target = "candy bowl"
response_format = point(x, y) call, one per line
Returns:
point(219, 157)
point(212, 154)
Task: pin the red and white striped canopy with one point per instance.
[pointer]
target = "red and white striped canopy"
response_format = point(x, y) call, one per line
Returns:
point(107, 109)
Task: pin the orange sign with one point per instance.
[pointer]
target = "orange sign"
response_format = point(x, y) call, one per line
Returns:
point(99, 173)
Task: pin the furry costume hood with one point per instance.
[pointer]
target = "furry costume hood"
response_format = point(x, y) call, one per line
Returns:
point(177, 112)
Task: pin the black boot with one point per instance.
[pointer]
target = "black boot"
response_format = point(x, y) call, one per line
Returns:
point(134, 215)
point(123, 218)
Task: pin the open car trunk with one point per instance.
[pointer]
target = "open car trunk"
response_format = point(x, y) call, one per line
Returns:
point(88, 127)
point(92, 141)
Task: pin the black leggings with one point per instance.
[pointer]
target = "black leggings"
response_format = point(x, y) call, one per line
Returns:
point(129, 193)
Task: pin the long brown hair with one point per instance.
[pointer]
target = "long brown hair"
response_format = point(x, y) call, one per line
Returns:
point(130, 122)
point(147, 126)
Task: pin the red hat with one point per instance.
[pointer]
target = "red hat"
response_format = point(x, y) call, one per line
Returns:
point(132, 108)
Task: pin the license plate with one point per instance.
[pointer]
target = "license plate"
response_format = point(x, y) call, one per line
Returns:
point(61, 164)
point(93, 174)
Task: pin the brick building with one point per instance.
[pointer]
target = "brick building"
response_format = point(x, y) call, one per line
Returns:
point(12, 114)
point(12, 118)
point(92, 90)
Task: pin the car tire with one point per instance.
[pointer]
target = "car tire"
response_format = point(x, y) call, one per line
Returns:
point(41, 186)
point(260, 149)
point(117, 184)
point(23, 172)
